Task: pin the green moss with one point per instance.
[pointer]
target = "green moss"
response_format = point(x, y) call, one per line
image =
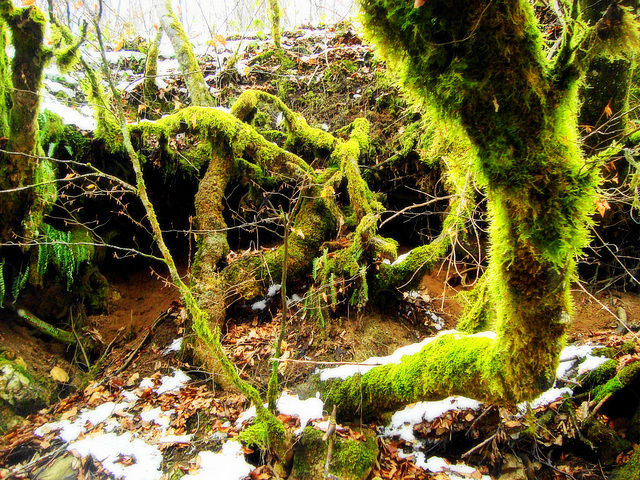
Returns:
point(630, 470)
point(350, 460)
point(597, 377)
point(617, 383)
point(300, 135)
point(149, 87)
point(482, 65)
point(198, 90)
point(613, 352)
point(478, 315)
point(451, 364)
point(608, 444)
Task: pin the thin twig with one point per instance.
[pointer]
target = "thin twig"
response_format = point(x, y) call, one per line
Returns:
point(146, 336)
point(313, 362)
point(479, 446)
point(608, 310)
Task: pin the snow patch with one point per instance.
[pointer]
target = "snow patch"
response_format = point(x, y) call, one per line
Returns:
point(591, 363)
point(175, 346)
point(259, 305)
point(174, 383)
point(403, 421)
point(305, 410)
point(109, 449)
point(228, 464)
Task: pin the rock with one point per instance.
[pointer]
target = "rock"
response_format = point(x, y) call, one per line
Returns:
point(59, 375)
point(8, 419)
point(61, 469)
point(21, 393)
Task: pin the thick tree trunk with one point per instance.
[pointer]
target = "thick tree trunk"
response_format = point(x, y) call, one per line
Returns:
point(27, 26)
point(605, 94)
point(198, 90)
point(481, 63)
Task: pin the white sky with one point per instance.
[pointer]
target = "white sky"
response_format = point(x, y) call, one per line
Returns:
point(203, 17)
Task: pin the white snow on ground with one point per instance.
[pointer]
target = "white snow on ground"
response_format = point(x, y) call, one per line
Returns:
point(156, 415)
point(259, 305)
point(174, 383)
point(305, 410)
point(546, 398)
point(402, 421)
point(590, 363)
point(68, 114)
point(109, 449)
point(228, 464)
point(175, 346)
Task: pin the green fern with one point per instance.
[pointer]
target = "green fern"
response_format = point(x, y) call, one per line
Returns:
point(58, 248)
point(19, 284)
point(333, 290)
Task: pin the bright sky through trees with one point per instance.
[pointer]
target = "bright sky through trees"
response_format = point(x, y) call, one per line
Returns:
point(205, 17)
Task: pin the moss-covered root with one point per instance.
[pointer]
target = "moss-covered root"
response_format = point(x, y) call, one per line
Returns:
point(227, 132)
point(351, 459)
point(210, 224)
point(300, 134)
point(346, 155)
point(198, 90)
point(314, 224)
point(409, 272)
point(450, 364)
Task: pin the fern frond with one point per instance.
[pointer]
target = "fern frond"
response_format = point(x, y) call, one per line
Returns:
point(19, 284)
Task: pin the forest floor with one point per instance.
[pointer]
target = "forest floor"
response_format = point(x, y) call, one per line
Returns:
point(143, 317)
point(201, 418)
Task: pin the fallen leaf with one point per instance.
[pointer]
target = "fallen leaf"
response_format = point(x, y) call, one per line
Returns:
point(607, 110)
point(602, 206)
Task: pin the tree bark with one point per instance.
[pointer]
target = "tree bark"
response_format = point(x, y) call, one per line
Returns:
point(198, 90)
point(27, 27)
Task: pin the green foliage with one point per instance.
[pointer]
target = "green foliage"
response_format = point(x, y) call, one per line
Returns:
point(45, 179)
point(19, 283)
point(62, 249)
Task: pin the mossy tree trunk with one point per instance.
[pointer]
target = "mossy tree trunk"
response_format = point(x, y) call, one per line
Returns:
point(27, 27)
point(482, 64)
point(149, 87)
point(605, 94)
point(274, 17)
point(198, 91)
